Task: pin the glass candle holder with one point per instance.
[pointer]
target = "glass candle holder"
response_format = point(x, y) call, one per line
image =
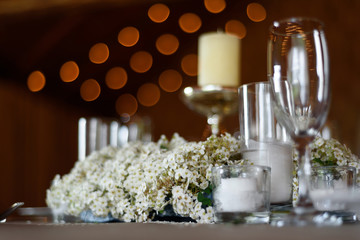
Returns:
point(332, 190)
point(331, 183)
point(241, 194)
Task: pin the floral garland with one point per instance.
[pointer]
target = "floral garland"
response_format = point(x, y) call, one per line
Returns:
point(141, 178)
point(138, 181)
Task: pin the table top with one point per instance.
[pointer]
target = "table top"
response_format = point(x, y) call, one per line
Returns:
point(173, 231)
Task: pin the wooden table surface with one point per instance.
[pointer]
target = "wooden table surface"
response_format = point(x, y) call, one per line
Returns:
point(172, 231)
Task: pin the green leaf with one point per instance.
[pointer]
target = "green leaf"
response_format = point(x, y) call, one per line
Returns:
point(204, 197)
point(200, 197)
point(330, 162)
point(318, 160)
point(164, 147)
point(209, 189)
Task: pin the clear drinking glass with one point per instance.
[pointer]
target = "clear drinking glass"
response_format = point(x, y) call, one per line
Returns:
point(241, 193)
point(298, 70)
point(331, 183)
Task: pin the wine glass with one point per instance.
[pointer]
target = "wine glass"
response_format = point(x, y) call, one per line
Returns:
point(298, 70)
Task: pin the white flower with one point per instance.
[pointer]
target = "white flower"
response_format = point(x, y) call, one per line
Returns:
point(177, 192)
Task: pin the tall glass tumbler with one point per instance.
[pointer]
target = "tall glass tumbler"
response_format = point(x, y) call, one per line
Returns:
point(95, 133)
point(265, 141)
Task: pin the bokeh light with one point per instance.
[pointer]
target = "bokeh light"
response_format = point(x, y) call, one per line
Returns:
point(190, 22)
point(158, 12)
point(148, 94)
point(256, 12)
point(170, 80)
point(189, 64)
point(167, 44)
point(116, 78)
point(141, 61)
point(36, 81)
point(215, 6)
point(128, 36)
point(126, 104)
point(69, 71)
point(236, 28)
point(90, 90)
point(99, 53)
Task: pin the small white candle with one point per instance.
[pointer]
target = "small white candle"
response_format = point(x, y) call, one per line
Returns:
point(237, 195)
point(278, 157)
point(328, 199)
point(219, 60)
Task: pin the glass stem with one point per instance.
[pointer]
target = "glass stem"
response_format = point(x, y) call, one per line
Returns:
point(214, 122)
point(304, 174)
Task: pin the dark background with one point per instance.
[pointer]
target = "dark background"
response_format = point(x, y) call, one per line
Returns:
point(38, 131)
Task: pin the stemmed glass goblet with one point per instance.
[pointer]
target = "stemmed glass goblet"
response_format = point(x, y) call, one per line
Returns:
point(298, 69)
point(214, 102)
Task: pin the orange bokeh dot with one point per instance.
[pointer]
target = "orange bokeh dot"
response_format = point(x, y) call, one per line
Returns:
point(128, 36)
point(256, 12)
point(141, 61)
point(116, 78)
point(189, 64)
point(215, 6)
point(167, 44)
point(190, 22)
point(148, 94)
point(99, 53)
point(158, 12)
point(126, 104)
point(170, 80)
point(90, 90)
point(36, 81)
point(69, 71)
point(236, 28)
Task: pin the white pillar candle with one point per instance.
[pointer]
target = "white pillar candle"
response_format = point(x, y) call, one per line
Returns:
point(278, 157)
point(219, 60)
point(237, 195)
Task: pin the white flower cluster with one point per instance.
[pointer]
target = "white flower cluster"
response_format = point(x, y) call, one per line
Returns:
point(139, 179)
point(332, 152)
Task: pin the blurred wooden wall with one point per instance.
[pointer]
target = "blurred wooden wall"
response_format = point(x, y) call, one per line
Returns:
point(38, 139)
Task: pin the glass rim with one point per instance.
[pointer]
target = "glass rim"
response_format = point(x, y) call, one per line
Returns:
point(273, 28)
point(266, 83)
point(334, 166)
point(253, 85)
point(254, 166)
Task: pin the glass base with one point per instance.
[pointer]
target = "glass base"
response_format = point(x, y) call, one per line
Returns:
point(280, 211)
point(306, 217)
point(242, 217)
